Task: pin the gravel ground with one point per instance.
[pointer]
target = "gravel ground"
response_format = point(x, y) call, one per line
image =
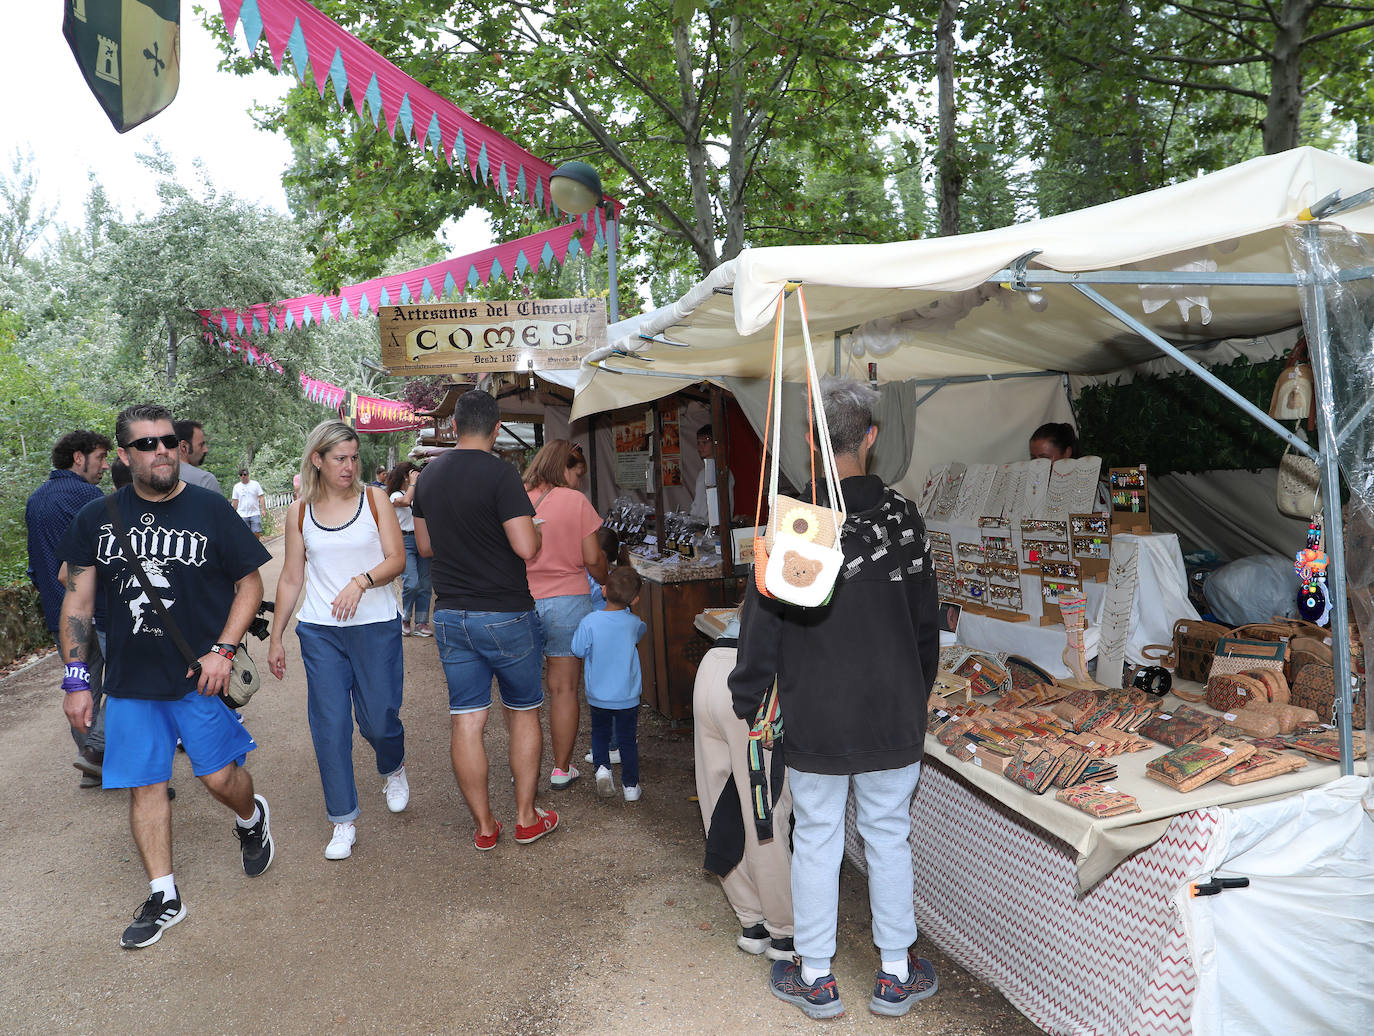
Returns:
point(606, 926)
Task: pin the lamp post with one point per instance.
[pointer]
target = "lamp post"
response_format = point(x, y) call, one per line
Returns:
point(576, 189)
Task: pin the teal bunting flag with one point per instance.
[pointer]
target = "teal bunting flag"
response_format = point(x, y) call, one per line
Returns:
point(129, 52)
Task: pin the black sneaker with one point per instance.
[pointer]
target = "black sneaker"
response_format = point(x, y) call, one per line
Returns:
point(256, 841)
point(754, 939)
point(780, 949)
point(821, 999)
point(894, 998)
point(155, 915)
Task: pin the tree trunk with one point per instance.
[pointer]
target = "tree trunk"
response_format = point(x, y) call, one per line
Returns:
point(698, 163)
point(171, 353)
point(1281, 116)
point(951, 179)
point(739, 143)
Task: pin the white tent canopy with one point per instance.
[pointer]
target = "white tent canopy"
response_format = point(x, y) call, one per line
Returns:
point(926, 310)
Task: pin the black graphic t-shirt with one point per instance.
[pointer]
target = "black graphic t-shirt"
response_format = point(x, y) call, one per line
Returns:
point(194, 548)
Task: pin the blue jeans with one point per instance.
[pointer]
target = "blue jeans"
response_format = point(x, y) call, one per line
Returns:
point(625, 723)
point(883, 801)
point(475, 646)
point(352, 671)
point(415, 584)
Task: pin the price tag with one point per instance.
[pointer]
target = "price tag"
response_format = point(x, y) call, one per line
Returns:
point(1230, 717)
point(977, 762)
point(1227, 751)
point(1166, 715)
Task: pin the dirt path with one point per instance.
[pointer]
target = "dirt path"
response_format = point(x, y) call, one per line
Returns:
point(606, 926)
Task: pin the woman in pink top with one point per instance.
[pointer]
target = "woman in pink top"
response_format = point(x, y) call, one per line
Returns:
point(558, 582)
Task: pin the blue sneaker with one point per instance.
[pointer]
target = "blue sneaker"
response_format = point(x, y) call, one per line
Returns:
point(819, 1000)
point(894, 998)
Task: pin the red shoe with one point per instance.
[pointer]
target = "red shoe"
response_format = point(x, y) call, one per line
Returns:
point(485, 842)
point(547, 821)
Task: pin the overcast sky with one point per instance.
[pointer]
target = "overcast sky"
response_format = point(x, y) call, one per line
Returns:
point(50, 112)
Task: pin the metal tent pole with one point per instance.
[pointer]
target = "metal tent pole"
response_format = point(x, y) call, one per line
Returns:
point(1334, 528)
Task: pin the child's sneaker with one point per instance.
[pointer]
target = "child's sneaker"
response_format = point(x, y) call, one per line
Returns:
point(894, 998)
point(631, 792)
point(605, 783)
point(821, 999)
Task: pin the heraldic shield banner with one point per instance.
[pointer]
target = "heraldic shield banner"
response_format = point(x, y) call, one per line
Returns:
point(129, 52)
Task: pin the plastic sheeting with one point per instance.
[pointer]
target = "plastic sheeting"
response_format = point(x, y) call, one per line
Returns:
point(1293, 952)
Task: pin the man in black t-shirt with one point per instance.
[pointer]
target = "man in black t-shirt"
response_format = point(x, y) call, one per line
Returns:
point(473, 516)
point(201, 562)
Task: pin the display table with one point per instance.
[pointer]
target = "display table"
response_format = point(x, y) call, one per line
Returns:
point(670, 651)
point(1000, 896)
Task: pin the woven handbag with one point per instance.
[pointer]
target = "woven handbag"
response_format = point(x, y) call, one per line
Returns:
point(1195, 645)
point(1231, 692)
point(1298, 490)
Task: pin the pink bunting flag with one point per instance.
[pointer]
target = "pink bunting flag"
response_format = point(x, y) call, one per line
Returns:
point(381, 91)
point(546, 248)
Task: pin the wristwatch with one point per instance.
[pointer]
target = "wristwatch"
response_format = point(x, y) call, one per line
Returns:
point(227, 650)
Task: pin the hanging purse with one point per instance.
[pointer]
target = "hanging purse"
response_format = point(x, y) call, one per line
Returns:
point(1294, 398)
point(1299, 486)
point(801, 538)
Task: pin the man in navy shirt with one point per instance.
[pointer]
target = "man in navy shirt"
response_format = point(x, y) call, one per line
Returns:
point(201, 562)
point(79, 463)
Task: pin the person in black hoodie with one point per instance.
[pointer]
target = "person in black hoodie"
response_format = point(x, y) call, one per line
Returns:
point(853, 678)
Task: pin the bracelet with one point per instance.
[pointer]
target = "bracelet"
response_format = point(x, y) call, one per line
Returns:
point(227, 650)
point(76, 676)
point(368, 577)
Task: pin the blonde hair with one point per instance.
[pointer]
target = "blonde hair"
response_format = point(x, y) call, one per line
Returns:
point(550, 466)
point(322, 438)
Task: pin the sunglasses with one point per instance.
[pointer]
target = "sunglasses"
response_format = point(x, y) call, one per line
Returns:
point(148, 443)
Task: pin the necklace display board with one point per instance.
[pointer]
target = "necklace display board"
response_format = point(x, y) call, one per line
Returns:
point(1072, 487)
point(1129, 494)
point(1115, 621)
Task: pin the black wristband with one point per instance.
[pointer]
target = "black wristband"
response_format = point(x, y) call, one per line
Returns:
point(227, 650)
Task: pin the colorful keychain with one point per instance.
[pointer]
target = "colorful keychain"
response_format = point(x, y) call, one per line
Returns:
point(1314, 602)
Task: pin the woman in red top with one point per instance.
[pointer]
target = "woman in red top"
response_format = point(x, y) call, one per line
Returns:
point(558, 581)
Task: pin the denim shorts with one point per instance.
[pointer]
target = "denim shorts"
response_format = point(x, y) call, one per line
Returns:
point(560, 616)
point(475, 646)
point(141, 738)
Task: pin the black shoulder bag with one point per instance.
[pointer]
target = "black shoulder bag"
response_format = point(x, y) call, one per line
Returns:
point(244, 681)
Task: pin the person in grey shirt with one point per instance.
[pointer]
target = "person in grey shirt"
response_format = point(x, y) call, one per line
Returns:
point(193, 447)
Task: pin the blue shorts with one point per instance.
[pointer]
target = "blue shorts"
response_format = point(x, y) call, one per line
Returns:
point(560, 617)
point(141, 738)
point(253, 521)
point(475, 646)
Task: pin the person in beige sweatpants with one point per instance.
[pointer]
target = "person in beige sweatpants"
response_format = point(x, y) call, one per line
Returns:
point(759, 886)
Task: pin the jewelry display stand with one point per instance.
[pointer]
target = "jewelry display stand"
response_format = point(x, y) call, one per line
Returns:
point(1115, 624)
point(1090, 537)
point(1043, 540)
point(1072, 486)
point(1073, 606)
point(1058, 578)
point(1129, 494)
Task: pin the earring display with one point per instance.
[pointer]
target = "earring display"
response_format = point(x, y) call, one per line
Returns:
point(970, 550)
point(1129, 494)
point(940, 540)
point(1057, 578)
point(1091, 538)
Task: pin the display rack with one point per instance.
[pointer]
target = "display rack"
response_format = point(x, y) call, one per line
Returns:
point(1090, 539)
point(1055, 578)
point(1128, 492)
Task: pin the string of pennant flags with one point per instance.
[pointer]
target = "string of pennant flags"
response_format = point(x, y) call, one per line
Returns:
point(542, 250)
point(381, 92)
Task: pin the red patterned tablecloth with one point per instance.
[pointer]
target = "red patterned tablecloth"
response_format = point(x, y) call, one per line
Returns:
point(999, 896)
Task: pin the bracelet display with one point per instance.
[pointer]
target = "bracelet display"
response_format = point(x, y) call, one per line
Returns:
point(76, 676)
point(226, 650)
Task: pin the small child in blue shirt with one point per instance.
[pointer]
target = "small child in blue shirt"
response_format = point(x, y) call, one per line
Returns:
point(606, 642)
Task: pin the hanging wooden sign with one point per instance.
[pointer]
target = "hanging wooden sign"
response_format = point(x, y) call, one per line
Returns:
point(507, 335)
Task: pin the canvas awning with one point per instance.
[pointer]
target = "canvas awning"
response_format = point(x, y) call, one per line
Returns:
point(924, 309)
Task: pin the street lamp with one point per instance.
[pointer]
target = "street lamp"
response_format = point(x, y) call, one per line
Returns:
point(576, 189)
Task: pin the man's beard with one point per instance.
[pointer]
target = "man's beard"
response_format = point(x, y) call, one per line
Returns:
point(164, 481)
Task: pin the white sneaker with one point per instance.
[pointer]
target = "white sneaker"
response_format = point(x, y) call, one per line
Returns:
point(605, 784)
point(340, 847)
point(615, 757)
point(397, 790)
point(631, 792)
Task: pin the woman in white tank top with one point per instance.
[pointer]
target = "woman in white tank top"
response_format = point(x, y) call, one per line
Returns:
point(345, 547)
